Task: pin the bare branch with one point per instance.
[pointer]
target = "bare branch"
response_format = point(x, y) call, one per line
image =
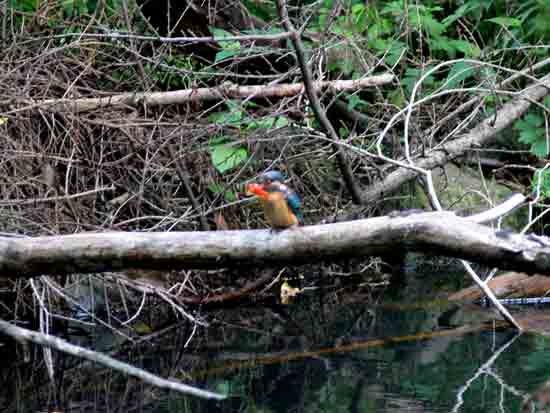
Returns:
point(227, 90)
point(19, 202)
point(315, 103)
point(115, 35)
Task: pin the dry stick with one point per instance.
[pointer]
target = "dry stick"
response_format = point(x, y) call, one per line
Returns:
point(233, 296)
point(205, 39)
point(343, 163)
point(224, 91)
point(183, 174)
point(61, 345)
point(132, 44)
point(4, 20)
point(432, 193)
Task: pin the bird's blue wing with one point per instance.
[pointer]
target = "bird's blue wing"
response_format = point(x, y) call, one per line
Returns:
point(295, 203)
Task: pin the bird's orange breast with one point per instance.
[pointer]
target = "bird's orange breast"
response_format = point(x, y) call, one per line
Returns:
point(277, 211)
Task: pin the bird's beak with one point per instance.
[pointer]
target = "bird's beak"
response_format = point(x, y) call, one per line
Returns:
point(256, 189)
point(250, 188)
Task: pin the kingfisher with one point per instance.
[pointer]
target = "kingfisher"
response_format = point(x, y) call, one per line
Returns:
point(281, 204)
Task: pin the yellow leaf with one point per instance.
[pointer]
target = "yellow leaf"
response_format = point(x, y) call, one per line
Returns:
point(142, 328)
point(288, 292)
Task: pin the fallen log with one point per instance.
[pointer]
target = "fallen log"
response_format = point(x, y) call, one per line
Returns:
point(435, 233)
point(508, 285)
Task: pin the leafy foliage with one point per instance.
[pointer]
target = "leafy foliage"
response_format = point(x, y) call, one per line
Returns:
point(229, 48)
point(230, 196)
point(542, 176)
point(533, 132)
point(170, 79)
point(67, 8)
point(226, 157)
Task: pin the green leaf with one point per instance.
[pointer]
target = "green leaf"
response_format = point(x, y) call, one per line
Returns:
point(359, 14)
point(261, 11)
point(534, 120)
point(281, 122)
point(506, 21)
point(226, 45)
point(529, 136)
point(263, 123)
point(412, 75)
point(532, 132)
point(229, 196)
point(428, 23)
point(540, 149)
point(226, 157)
point(395, 53)
point(343, 132)
point(355, 101)
point(459, 13)
point(544, 176)
point(233, 117)
point(223, 387)
point(225, 54)
point(469, 49)
point(459, 72)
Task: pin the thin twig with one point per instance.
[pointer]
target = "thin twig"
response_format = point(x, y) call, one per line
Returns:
point(315, 103)
point(18, 202)
point(183, 174)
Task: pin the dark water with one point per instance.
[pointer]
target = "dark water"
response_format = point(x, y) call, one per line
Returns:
point(333, 353)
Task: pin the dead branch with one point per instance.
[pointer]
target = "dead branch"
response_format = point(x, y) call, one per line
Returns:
point(23, 334)
point(234, 296)
point(19, 202)
point(436, 233)
point(320, 115)
point(114, 35)
point(224, 91)
point(508, 285)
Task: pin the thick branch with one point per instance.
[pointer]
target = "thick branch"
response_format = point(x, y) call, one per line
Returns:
point(436, 233)
point(224, 91)
point(481, 135)
point(320, 115)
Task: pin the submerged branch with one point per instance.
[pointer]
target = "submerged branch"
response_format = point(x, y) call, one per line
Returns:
point(441, 233)
point(61, 345)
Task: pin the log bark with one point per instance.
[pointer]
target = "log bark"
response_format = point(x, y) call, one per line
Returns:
point(436, 233)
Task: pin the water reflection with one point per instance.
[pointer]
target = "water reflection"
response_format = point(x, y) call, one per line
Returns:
point(307, 357)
